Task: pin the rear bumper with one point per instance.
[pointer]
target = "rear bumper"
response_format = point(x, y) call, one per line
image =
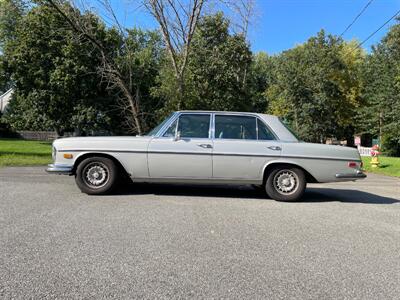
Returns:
point(358, 175)
point(59, 169)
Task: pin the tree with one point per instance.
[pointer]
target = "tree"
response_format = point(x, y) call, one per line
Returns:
point(111, 67)
point(72, 72)
point(178, 22)
point(140, 67)
point(54, 76)
point(316, 88)
point(380, 117)
point(11, 12)
point(218, 66)
point(261, 77)
point(215, 73)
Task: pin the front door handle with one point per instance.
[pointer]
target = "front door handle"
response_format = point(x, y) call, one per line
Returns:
point(276, 148)
point(206, 146)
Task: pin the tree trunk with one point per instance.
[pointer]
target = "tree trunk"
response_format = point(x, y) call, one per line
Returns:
point(134, 108)
point(134, 113)
point(181, 91)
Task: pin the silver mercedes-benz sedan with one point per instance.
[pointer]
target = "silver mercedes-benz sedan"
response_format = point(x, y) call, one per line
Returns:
point(207, 147)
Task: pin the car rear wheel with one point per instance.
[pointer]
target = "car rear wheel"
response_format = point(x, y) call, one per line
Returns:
point(285, 184)
point(96, 175)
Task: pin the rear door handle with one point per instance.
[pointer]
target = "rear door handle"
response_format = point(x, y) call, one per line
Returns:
point(206, 146)
point(276, 148)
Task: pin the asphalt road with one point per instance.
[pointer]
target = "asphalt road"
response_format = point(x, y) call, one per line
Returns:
point(159, 241)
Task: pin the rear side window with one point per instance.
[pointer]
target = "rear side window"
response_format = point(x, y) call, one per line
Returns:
point(235, 127)
point(264, 133)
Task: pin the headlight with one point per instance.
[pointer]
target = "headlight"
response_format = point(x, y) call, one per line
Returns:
point(53, 153)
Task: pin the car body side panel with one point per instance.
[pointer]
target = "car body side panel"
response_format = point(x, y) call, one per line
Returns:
point(184, 158)
point(131, 152)
point(242, 159)
point(322, 170)
point(323, 162)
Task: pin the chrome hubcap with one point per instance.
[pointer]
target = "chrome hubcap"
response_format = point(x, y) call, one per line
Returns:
point(96, 175)
point(286, 182)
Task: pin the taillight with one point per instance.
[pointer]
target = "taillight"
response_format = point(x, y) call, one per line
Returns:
point(352, 164)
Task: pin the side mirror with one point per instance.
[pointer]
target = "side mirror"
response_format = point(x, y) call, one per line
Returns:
point(177, 136)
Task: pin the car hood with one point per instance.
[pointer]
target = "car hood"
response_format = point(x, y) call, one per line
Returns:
point(103, 143)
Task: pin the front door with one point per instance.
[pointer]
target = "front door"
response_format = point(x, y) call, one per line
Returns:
point(184, 150)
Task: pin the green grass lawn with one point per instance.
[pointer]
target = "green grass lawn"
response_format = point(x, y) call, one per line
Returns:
point(17, 152)
point(388, 165)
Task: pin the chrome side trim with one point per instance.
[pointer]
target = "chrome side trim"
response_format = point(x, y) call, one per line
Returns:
point(59, 169)
point(214, 153)
point(358, 175)
point(320, 157)
point(198, 180)
point(103, 150)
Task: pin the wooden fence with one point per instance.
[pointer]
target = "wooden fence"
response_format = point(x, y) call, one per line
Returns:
point(40, 135)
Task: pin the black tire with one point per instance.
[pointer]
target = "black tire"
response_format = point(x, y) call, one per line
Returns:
point(285, 184)
point(96, 175)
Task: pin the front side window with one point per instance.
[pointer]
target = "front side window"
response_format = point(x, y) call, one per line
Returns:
point(156, 129)
point(190, 126)
point(235, 127)
point(171, 131)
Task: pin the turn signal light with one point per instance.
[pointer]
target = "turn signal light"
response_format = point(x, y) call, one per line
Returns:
point(352, 164)
point(67, 156)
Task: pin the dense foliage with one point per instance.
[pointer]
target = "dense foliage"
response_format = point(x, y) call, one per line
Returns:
point(54, 76)
point(381, 80)
point(316, 87)
point(324, 88)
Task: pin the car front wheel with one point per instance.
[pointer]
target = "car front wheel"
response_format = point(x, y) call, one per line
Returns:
point(285, 184)
point(96, 175)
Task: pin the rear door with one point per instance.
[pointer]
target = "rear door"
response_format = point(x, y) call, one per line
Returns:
point(243, 145)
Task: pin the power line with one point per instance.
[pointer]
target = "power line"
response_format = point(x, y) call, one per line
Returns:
point(372, 34)
point(356, 18)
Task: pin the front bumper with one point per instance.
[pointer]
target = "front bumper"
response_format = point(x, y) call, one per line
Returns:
point(357, 175)
point(59, 169)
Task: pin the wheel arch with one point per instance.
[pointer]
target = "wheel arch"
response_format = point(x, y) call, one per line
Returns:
point(268, 167)
point(85, 155)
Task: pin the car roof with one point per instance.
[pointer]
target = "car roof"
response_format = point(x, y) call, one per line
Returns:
point(224, 112)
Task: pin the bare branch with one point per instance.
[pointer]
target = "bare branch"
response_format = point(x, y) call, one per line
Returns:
point(109, 71)
point(177, 23)
point(244, 13)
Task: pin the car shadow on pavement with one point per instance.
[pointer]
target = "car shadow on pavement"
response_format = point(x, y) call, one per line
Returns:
point(345, 195)
point(250, 192)
point(196, 190)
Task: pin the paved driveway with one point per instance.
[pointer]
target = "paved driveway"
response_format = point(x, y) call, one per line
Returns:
point(158, 241)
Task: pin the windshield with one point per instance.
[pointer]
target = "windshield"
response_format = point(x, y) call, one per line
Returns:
point(288, 127)
point(154, 131)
